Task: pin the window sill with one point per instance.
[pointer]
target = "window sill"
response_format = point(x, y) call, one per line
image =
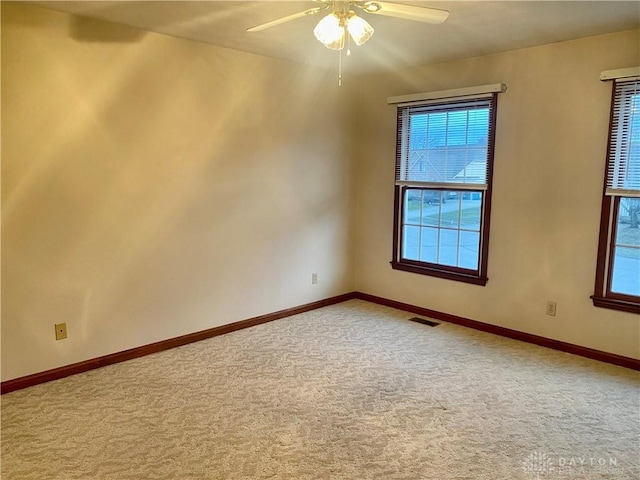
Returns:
point(615, 304)
point(446, 274)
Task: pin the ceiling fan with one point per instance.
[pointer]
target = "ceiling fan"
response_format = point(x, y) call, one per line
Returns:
point(330, 30)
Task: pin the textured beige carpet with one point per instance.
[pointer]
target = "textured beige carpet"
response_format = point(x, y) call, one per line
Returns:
point(351, 391)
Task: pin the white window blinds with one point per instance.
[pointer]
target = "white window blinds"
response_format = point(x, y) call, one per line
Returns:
point(445, 143)
point(623, 162)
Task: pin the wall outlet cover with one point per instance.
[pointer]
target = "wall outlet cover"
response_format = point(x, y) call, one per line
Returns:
point(61, 331)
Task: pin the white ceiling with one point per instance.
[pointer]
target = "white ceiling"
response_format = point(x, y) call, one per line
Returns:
point(473, 27)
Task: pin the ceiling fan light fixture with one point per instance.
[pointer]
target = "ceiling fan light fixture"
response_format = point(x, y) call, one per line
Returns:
point(359, 29)
point(330, 32)
point(371, 7)
point(332, 29)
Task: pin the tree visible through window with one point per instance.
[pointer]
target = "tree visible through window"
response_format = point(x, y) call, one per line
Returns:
point(618, 269)
point(444, 164)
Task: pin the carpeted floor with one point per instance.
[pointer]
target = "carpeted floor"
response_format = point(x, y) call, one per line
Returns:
point(351, 391)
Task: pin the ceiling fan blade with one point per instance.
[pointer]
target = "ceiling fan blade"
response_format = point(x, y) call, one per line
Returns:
point(288, 18)
point(408, 12)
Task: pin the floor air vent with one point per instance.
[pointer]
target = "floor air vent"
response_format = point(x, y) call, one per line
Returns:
point(424, 321)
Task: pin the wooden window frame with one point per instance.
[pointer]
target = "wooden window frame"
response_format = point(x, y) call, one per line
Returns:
point(603, 295)
point(471, 276)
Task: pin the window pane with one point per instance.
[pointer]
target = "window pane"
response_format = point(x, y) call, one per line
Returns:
point(470, 211)
point(478, 121)
point(446, 147)
point(626, 258)
point(437, 129)
point(626, 271)
point(418, 133)
point(448, 247)
point(628, 222)
point(429, 246)
point(457, 128)
point(442, 227)
point(411, 240)
point(412, 207)
point(450, 210)
point(431, 207)
point(469, 250)
point(624, 152)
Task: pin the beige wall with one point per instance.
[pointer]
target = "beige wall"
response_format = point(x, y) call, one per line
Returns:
point(153, 187)
point(549, 165)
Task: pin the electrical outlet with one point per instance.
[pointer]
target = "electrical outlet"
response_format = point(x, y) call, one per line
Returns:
point(551, 308)
point(314, 278)
point(61, 331)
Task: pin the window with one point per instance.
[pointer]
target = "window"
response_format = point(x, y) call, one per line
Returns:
point(618, 267)
point(444, 164)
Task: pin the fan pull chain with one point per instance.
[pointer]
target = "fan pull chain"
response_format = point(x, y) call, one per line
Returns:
point(340, 61)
